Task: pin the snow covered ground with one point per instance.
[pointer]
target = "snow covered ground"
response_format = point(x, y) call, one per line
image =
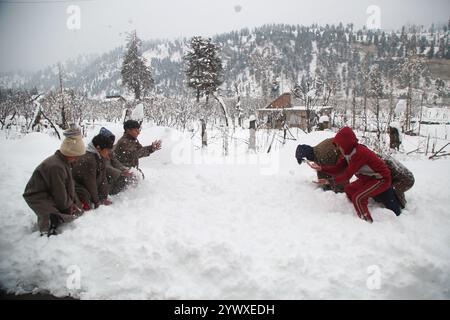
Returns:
point(250, 227)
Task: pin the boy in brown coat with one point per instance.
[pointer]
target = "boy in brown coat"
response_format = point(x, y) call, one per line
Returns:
point(325, 153)
point(117, 175)
point(89, 173)
point(50, 191)
point(128, 150)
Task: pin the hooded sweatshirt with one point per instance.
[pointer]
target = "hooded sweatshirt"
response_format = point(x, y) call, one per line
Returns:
point(357, 160)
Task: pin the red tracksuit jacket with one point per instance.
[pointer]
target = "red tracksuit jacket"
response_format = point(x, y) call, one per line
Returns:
point(358, 160)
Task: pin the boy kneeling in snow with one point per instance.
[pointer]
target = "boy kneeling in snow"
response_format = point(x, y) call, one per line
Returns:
point(402, 181)
point(128, 150)
point(323, 154)
point(50, 192)
point(89, 173)
point(374, 176)
point(117, 175)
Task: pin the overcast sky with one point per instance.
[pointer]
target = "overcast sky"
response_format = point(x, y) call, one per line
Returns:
point(34, 33)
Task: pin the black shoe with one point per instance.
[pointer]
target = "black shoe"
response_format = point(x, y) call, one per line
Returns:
point(390, 200)
point(52, 232)
point(55, 221)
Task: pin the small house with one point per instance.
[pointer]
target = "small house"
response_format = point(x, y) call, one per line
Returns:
point(288, 111)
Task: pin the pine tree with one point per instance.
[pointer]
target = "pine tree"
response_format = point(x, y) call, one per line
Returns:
point(203, 67)
point(136, 75)
point(441, 51)
point(447, 49)
point(422, 44)
point(413, 44)
point(430, 54)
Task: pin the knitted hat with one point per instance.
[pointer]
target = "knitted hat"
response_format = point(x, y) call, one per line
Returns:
point(304, 151)
point(73, 145)
point(106, 133)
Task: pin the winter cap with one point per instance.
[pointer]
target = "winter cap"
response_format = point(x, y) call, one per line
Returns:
point(131, 124)
point(304, 151)
point(106, 133)
point(73, 145)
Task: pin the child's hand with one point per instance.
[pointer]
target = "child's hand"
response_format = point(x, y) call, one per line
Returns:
point(314, 165)
point(127, 173)
point(156, 145)
point(322, 182)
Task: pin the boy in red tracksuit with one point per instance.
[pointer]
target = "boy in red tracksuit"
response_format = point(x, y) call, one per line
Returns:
point(374, 176)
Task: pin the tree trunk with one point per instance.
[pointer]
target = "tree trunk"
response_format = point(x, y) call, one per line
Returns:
point(365, 110)
point(391, 109)
point(408, 108)
point(63, 112)
point(252, 140)
point(354, 111)
point(308, 115)
point(63, 117)
point(378, 118)
point(204, 136)
point(226, 131)
point(137, 93)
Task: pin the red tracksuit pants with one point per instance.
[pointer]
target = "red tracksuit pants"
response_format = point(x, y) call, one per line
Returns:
point(361, 190)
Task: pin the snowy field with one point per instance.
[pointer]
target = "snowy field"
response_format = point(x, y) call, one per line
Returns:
point(251, 227)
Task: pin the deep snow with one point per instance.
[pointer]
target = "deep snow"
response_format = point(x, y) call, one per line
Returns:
point(251, 227)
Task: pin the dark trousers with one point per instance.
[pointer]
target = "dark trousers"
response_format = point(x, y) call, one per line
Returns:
point(390, 201)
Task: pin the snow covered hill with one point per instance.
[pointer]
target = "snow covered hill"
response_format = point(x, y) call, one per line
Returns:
point(286, 54)
point(251, 227)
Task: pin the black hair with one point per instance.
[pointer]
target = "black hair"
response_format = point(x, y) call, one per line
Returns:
point(102, 142)
point(304, 151)
point(131, 124)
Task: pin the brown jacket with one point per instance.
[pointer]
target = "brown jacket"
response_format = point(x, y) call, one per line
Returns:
point(128, 150)
point(89, 173)
point(325, 153)
point(50, 190)
point(114, 167)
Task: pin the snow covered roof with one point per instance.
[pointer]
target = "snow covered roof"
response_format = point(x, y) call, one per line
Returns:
point(297, 108)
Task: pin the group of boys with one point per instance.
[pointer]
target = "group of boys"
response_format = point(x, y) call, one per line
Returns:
point(77, 178)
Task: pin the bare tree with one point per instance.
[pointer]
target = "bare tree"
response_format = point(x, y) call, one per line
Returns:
point(309, 91)
point(376, 92)
point(262, 63)
point(411, 72)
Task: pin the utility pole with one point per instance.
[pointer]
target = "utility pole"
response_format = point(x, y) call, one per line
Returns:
point(421, 110)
